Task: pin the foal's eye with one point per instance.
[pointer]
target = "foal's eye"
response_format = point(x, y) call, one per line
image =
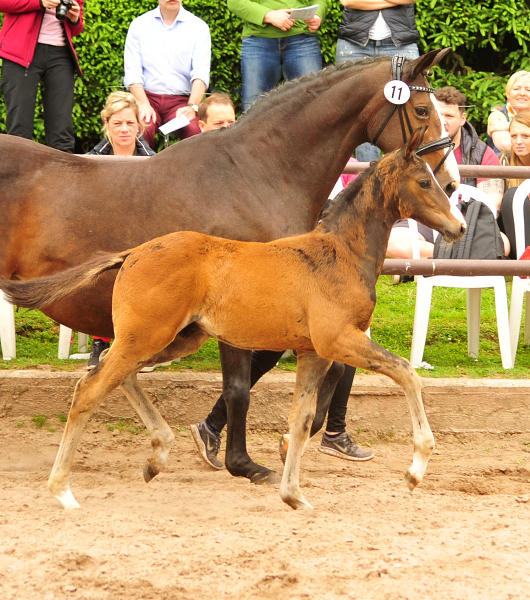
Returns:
point(421, 111)
point(425, 183)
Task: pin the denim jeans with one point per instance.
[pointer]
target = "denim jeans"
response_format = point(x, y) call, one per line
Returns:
point(265, 60)
point(348, 51)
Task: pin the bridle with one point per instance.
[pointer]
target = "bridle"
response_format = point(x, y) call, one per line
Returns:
point(445, 142)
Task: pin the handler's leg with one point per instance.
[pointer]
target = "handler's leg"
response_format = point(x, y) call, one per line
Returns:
point(336, 441)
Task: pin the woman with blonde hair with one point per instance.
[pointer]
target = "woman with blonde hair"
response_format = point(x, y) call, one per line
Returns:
point(123, 137)
point(122, 128)
point(518, 156)
point(518, 96)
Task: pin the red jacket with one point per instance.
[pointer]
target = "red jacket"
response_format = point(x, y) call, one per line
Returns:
point(20, 31)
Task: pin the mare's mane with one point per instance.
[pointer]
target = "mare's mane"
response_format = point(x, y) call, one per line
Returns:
point(291, 88)
point(334, 208)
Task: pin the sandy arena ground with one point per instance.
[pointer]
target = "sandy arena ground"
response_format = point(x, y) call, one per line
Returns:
point(195, 533)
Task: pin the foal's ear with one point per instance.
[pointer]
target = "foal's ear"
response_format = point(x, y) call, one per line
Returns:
point(427, 61)
point(415, 142)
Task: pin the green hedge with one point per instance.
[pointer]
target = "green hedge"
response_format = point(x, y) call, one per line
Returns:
point(490, 40)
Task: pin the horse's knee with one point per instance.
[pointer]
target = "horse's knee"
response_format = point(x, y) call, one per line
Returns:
point(237, 394)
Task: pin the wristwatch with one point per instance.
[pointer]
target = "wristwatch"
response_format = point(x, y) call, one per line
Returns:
point(195, 107)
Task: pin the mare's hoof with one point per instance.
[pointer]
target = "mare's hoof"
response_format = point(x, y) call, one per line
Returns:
point(266, 478)
point(149, 473)
point(411, 480)
point(284, 446)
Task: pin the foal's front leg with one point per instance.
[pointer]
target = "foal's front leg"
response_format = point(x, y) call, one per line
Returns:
point(310, 373)
point(354, 347)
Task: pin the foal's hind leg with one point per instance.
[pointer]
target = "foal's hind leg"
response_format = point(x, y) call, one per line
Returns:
point(159, 431)
point(89, 393)
point(311, 370)
point(353, 347)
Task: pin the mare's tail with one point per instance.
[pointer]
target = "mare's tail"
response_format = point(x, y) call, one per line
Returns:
point(44, 291)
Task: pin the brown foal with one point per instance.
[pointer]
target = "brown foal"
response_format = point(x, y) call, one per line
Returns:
point(314, 293)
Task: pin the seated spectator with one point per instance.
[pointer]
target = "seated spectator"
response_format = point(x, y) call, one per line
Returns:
point(518, 96)
point(469, 150)
point(216, 112)
point(122, 128)
point(519, 156)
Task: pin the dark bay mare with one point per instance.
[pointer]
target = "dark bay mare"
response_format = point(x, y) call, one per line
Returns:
point(266, 177)
point(319, 289)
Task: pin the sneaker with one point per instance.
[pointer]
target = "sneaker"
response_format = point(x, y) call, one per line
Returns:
point(344, 447)
point(98, 346)
point(208, 443)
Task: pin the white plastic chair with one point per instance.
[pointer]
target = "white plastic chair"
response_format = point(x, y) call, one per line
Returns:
point(65, 340)
point(520, 287)
point(7, 329)
point(473, 286)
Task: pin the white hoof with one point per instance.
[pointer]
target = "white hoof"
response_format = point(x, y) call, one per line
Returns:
point(67, 499)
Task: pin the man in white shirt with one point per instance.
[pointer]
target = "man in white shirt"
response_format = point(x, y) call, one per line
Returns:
point(167, 66)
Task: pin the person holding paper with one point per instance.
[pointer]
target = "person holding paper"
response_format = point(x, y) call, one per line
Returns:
point(167, 66)
point(376, 28)
point(276, 45)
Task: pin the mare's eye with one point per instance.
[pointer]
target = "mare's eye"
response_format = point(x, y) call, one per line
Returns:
point(425, 183)
point(421, 111)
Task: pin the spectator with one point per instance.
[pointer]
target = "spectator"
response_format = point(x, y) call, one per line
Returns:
point(216, 112)
point(518, 96)
point(275, 45)
point(122, 128)
point(519, 156)
point(469, 150)
point(36, 47)
point(167, 66)
point(376, 28)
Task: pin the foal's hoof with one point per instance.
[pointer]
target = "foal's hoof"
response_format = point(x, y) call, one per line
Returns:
point(284, 446)
point(411, 480)
point(149, 472)
point(266, 478)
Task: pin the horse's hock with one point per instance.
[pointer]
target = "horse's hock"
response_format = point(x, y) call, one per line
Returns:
point(377, 406)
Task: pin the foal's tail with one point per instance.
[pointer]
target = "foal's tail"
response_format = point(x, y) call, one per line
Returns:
point(44, 291)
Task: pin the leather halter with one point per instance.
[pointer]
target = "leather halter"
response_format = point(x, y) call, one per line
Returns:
point(445, 142)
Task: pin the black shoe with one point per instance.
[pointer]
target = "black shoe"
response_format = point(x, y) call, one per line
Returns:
point(344, 447)
point(98, 346)
point(208, 444)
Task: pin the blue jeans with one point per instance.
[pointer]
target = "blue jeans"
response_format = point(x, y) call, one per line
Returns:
point(348, 51)
point(265, 60)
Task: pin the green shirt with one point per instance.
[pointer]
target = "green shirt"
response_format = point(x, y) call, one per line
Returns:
point(252, 12)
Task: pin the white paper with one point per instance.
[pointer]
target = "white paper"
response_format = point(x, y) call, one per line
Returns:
point(304, 14)
point(174, 124)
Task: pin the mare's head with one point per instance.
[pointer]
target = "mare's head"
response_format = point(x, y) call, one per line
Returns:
point(413, 192)
point(390, 129)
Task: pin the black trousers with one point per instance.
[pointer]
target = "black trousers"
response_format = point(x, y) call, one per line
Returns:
point(53, 67)
point(262, 362)
point(506, 223)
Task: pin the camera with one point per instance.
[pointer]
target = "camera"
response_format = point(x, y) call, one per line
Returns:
point(61, 10)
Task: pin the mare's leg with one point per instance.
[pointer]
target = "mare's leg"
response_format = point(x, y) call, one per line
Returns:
point(357, 349)
point(236, 392)
point(310, 374)
point(262, 361)
point(160, 433)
